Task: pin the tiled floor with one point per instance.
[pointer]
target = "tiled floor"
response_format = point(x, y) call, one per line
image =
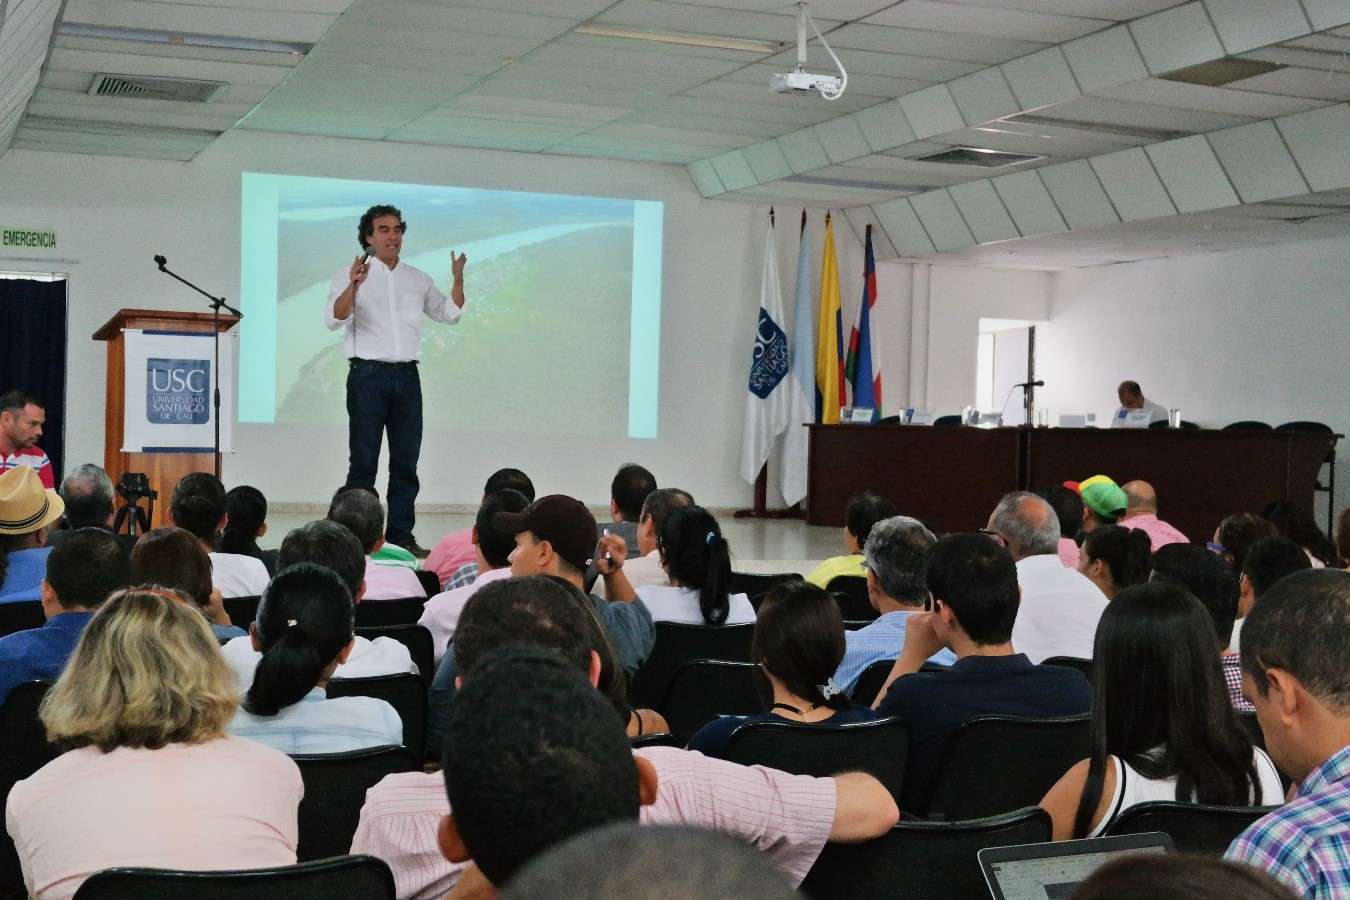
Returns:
point(757, 545)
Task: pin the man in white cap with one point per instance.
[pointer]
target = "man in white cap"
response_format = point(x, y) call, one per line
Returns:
point(27, 511)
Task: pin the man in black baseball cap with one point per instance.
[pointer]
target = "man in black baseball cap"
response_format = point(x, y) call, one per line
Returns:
point(557, 535)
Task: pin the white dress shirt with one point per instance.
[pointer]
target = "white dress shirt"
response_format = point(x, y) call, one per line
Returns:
point(440, 615)
point(642, 571)
point(317, 724)
point(1059, 610)
point(680, 604)
point(388, 314)
point(368, 659)
point(237, 575)
point(1156, 413)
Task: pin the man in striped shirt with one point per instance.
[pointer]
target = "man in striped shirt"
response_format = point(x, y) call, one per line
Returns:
point(1295, 673)
point(21, 420)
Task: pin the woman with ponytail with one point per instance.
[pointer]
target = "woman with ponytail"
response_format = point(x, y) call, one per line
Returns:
point(698, 562)
point(304, 631)
point(246, 521)
point(798, 644)
point(1115, 558)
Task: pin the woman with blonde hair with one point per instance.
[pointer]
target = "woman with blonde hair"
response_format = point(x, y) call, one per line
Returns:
point(151, 778)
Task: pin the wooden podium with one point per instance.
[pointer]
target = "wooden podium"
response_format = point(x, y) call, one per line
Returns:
point(163, 469)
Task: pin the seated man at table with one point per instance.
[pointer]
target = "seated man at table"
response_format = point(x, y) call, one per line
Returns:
point(863, 511)
point(975, 601)
point(1131, 397)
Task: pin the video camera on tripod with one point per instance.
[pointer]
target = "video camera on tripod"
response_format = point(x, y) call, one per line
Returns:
point(133, 487)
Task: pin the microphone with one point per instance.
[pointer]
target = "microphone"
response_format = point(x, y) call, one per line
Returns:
point(1027, 384)
point(161, 261)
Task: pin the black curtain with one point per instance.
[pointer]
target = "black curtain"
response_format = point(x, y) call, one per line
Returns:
point(33, 353)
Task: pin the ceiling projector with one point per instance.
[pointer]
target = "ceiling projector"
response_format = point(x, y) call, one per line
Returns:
point(831, 87)
point(801, 80)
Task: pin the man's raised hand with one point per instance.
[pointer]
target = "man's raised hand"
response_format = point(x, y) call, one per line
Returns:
point(457, 265)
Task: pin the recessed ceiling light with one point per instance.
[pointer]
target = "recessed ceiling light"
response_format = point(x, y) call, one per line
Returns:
point(180, 38)
point(688, 39)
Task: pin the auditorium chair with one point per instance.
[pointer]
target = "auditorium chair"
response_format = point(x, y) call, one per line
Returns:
point(415, 637)
point(703, 689)
point(869, 683)
point(1071, 662)
point(23, 750)
point(355, 877)
point(335, 791)
point(405, 611)
point(431, 582)
point(243, 611)
point(918, 860)
point(850, 592)
point(1184, 426)
point(947, 421)
point(1247, 425)
point(677, 643)
point(855, 624)
point(1193, 827)
point(404, 692)
point(878, 748)
point(756, 586)
point(658, 739)
point(21, 615)
point(996, 763)
point(1329, 460)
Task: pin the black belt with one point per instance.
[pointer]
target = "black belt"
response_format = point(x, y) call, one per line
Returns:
point(353, 360)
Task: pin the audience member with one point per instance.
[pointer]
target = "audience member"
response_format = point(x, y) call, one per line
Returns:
point(198, 507)
point(456, 550)
point(896, 556)
point(789, 817)
point(1266, 561)
point(1104, 503)
point(1141, 512)
point(798, 644)
point(388, 553)
point(556, 535)
point(1068, 507)
point(627, 492)
point(1294, 672)
point(863, 511)
point(1162, 726)
point(21, 419)
point(1296, 523)
point(1166, 876)
point(304, 632)
point(27, 512)
point(493, 552)
point(88, 493)
point(151, 778)
point(975, 602)
point(1236, 534)
point(326, 543)
point(87, 566)
point(697, 561)
point(1060, 607)
point(363, 514)
point(655, 862)
point(646, 569)
point(1115, 558)
point(1343, 538)
point(246, 521)
point(174, 559)
point(1207, 577)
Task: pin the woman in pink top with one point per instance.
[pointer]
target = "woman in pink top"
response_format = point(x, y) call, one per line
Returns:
point(152, 779)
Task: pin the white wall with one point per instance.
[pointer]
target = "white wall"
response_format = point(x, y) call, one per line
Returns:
point(113, 214)
point(1246, 334)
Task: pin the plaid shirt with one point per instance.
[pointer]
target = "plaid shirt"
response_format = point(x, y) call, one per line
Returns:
point(1232, 674)
point(1306, 842)
point(464, 575)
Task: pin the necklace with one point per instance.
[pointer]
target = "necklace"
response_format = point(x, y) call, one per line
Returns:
point(790, 708)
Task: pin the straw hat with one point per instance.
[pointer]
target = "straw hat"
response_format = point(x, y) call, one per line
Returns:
point(25, 505)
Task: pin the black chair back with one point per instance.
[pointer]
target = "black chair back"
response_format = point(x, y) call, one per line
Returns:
point(1304, 425)
point(407, 611)
point(659, 739)
point(21, 615)
point(415, 637)
point(676, 644)
point(947, 421)
point(1071, 662)
point(703, 689)
point(869, 683)
point(243, 611)
point(405, 693)
point(1247, 425)
point(431, 582)
point(756, 586)
point(850, 592)
point(878, 748)
point(1193, 827)
point(919, 860)
point(335, 791)
point(23, 750)
point(357, 877)
point(855, 624)
point(997, 763)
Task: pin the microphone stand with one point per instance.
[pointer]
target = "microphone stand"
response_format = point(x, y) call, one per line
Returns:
point(216, 304)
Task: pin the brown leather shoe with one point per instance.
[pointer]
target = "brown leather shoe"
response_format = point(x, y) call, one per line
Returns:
point(416, 549)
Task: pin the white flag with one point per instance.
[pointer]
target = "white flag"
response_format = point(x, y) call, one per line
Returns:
point(802, 382)
point(766, 408)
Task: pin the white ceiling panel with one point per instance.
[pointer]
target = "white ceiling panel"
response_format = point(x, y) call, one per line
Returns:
point(635, 60)
point(931, 111)
point(167, 66)
point(379, 58)
point(913, 42)
point(678, 51)
point(674, 135)
point(138, 152)
point(1132, 184)
point(271, 24)
point(1318, 140)
point(1328, 85)
point(552, 90)
point(129, 117)
point(803, 150)
point(575, 9)
point(992, 21)
point(1176, 38)
point(705, 178)
point(984, 212)
point(866, 176)
point(233, 100)
point(837, 9)
point(1116, 10)
point(842, 139)
point(401, 38)
point(983, 96)
point(1078, 194)
point(1192, 174)
point(659, 14)
point(894, 65)
point(767, 161)
point(1057, 148)
point(487, 128)
point(752, 128)
point(942, 220)
point(754, 93)
point(1041, 79)
point(1243, 24)
point(859, 218)
point(459, 19)
point(1258, 162)
point(733, 170)
point(885, 125)
point(1140, 116)
point(1029, 203)
point(656, 83)
point(735, 109)
point(519, 109)
point(1105, 59)
point(875, 85)
point(1180, 95)
point(903, 228)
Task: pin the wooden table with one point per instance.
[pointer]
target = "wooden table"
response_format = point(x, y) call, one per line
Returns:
point(952, 478)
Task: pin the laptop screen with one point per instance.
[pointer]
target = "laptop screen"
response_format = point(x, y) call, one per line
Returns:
point(1053, 871)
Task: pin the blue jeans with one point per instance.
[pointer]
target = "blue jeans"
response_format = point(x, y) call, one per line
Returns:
point(384, 396)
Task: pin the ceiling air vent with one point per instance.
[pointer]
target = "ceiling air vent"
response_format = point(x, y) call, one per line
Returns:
point(1219, 72)
point(183, 90)
point(976, 156)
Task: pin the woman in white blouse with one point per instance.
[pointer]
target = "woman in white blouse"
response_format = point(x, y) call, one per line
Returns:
point(1162, 728)
point(698, 561)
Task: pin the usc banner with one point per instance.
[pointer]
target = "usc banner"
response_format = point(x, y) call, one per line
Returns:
point(169, 388)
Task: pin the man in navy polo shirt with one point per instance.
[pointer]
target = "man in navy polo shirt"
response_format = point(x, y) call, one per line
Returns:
point(87, 566)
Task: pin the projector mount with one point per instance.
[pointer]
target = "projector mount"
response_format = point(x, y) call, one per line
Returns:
point(799, 80)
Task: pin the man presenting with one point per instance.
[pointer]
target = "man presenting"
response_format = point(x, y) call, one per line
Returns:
point(380, 302)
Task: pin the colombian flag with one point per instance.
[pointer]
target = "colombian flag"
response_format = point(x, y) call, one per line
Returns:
point(829, 340)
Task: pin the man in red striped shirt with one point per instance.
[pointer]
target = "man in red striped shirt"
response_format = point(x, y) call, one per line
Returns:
point(21, 420)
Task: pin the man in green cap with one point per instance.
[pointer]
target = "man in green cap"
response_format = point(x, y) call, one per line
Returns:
point(1104, 502)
